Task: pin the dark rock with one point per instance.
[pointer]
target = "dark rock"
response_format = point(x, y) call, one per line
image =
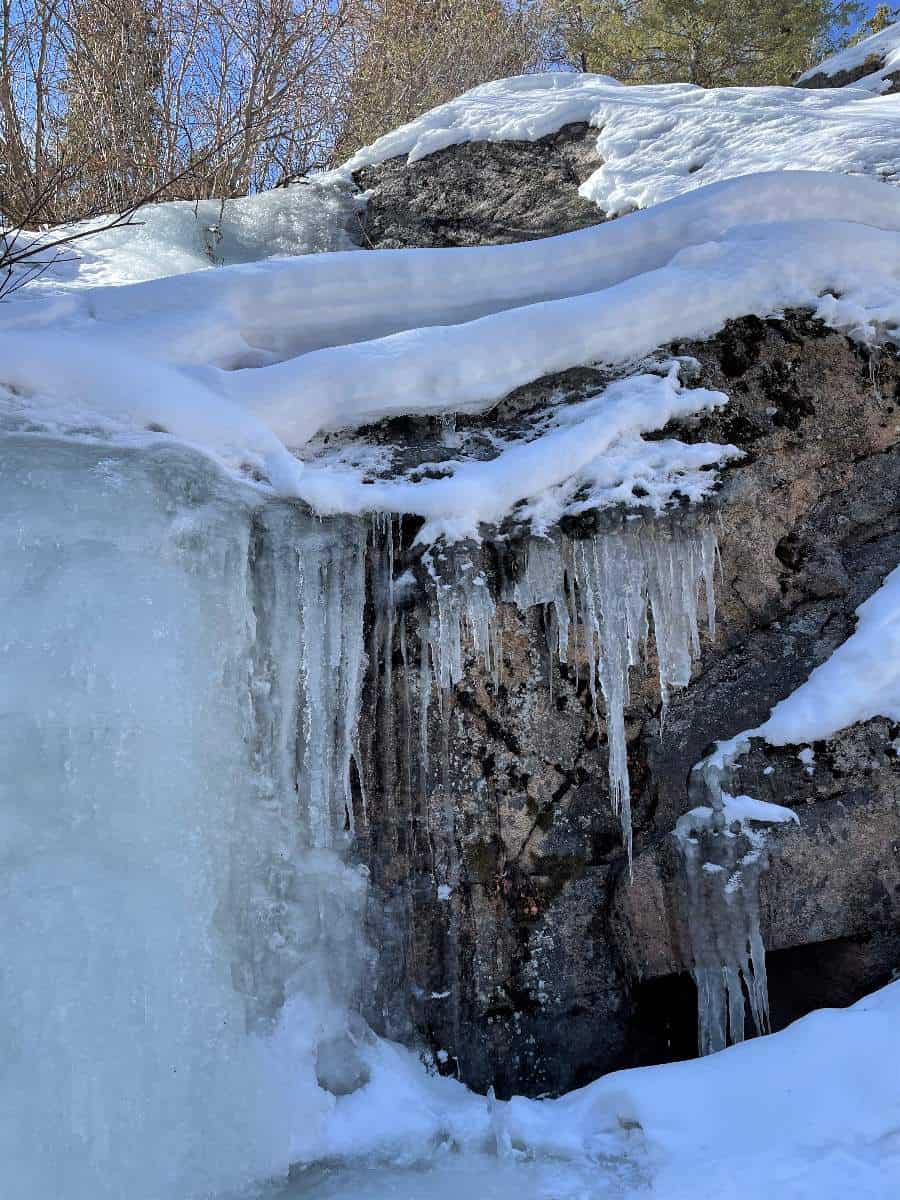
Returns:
point(481, 193)
point(840, 79)
point(531, 973)
point(542, 965)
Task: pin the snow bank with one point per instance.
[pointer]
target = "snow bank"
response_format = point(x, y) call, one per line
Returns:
point(883, 47)
point(260, 312)
point(148, 358)
point(523, 108)
point(802, 1114)
point(859, 681)
point(658, 141)
point(806, 1112)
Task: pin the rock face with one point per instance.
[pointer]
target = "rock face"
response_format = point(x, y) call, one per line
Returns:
point(481, 193)
point(510, 937)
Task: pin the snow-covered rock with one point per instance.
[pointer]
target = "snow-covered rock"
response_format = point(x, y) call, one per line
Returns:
point(872, 65)
point(400, 555)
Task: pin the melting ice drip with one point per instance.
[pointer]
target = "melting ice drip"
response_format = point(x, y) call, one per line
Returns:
point(598, 595)
point(722, 870)
point(723, 849)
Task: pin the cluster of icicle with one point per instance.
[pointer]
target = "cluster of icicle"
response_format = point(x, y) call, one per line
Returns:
point(302, 905)
point(599, 595)
point(723, 862)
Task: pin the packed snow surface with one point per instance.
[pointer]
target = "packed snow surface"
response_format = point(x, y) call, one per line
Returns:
point(253, 363)
point(658, 141)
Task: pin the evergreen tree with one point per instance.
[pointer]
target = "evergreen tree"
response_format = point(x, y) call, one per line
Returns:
point(712, 43)
point(882, 18)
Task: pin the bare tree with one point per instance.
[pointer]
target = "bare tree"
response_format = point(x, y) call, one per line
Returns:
point(104, 103)
point(419, 53)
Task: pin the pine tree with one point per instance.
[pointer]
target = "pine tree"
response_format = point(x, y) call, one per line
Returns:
point(712, 43)
point(882, 18)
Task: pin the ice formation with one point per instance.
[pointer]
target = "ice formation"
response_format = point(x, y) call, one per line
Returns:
point(724, 854)
point(182, 946)
point(723, 841)
point(599, 594)
point(181, 932)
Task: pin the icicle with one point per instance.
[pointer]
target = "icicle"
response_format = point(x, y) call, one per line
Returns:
point(600, 590)
point(605, 587)
point(723, 862)
point(424, 699)
point(296, 908)
point(543, 581)
point(332, 599)
point(607, 575)
point(462, 610)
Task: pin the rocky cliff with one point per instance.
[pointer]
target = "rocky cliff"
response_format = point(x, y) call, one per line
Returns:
point(512, 939)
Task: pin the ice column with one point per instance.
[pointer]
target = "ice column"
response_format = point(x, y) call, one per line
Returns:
point(724, 857)
point(296, 905)
point(722, 871)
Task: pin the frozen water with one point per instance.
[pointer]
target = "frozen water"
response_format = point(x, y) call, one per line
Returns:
point(722, 870)
point(724, 854)
point(598, 595)
point(601, 591)
point(488, 1176)
point(176, 940)
point(857, 682)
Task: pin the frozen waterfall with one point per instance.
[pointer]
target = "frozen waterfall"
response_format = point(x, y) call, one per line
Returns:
point(183, 949)
point(178, 703)
point(723, 847)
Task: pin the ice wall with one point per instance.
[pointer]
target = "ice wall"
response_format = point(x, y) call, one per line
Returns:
point(178, 687)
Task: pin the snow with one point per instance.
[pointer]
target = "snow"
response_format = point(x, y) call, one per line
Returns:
point(859, 681)
point(180, 236)
point(122, 362)
point(656, 142)
point(183, 653)
point(138, 879)
point(740, 809)
point(884, 46)
point(803, 1114)
point(521, 108)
